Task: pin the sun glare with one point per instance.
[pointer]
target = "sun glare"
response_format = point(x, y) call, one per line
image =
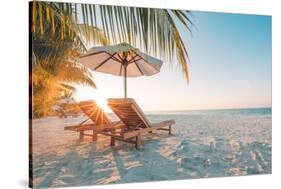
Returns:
point(102, 103)
point(87, 93)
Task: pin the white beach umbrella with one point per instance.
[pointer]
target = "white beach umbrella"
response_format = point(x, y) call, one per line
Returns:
point(121, 60)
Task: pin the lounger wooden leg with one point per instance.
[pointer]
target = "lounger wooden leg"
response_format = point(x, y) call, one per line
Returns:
point(112, 141)
point(170, 129)
point(81, 135)
point(95, 137)
point(138, 141)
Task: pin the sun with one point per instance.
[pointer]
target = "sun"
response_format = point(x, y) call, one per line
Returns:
point(102, 103)
point(87, 93)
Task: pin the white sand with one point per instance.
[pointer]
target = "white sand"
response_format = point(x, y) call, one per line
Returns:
point(202, 146)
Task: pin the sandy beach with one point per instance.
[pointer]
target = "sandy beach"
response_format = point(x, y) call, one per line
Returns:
point(201, 146)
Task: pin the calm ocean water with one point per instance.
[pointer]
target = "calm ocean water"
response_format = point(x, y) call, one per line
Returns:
point(244, 111)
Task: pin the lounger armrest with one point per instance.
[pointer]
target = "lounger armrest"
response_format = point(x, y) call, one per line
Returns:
point(80, 127)
point(152, 127)
point(164, 123)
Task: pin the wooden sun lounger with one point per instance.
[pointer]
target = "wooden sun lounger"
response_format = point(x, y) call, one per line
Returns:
point(100, 121)
point(135, 121)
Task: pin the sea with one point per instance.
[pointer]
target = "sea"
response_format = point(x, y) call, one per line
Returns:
point(241, 111)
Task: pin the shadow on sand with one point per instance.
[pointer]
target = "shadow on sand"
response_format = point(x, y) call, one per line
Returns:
point(164, 159)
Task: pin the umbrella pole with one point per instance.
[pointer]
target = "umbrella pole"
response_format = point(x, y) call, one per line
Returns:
point(125, 80)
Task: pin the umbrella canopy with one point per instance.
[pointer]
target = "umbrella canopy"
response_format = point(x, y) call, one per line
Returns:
point(121, 60)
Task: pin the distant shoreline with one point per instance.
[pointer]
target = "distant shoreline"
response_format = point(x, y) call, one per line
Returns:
point(255, 110)
point(234, 111)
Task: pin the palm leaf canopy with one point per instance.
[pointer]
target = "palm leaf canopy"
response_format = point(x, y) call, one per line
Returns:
point(155, 31)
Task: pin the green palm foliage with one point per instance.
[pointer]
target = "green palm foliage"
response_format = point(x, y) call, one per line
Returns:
point(62, 31)
point(54, 54)
point(156, 31)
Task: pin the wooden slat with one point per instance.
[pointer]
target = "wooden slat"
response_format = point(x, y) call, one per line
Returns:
point(128, 111)
point(88, 134)
point(167, 122)
point(145, 130)
point(140, 115)
point(163, 129)
point(110, 134)
point(80, 127)
point(95, 128)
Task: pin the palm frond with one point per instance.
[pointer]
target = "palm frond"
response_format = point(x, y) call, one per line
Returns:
point(62, 31)
point(156, 31)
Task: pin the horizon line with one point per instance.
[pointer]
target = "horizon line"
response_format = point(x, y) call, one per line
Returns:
point(207, 109)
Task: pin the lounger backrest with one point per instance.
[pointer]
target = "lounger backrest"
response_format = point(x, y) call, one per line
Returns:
point(128, 112)
point(94, 112)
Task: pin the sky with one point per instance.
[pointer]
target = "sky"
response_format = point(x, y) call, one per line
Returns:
point(230, 67)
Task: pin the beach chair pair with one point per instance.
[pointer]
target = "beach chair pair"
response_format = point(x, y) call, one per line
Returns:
point(131, 127)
